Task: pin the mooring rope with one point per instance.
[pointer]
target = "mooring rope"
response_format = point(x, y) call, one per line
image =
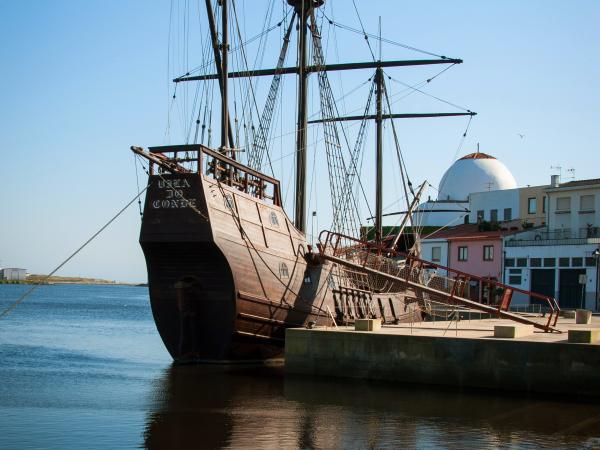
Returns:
point(7, 310)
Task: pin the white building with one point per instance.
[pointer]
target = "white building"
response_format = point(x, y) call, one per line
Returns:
point(435, 250)
point(494, 206)
point(561, 258)
point(475, 172)
point(11, 273)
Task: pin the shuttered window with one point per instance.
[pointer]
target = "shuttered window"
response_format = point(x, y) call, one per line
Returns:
point(586, 203)
point(563, 203)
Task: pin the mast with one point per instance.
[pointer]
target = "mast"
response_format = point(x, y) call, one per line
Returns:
point(379, 156)
point(215, 45)
point(302, 9)
point(408, 215)
point(224, 49)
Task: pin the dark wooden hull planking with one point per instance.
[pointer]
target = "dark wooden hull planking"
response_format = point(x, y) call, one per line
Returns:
point(228, 273)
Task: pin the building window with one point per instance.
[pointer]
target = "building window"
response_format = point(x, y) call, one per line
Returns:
point(544, 204)
point(463, 253)
point(590, 261)
point(586, 203)
point(493, 215)
point(436, 254)
point(507, 214)
point(563, 262)
point(531, 205)
point(480, 215)
point(549, 262)
point(563, 204)
point(535, 262)
point(521, 262)
point(509, 262)
point(576, 262)
point(488, 252)
point(274, 220)
point(514, 279)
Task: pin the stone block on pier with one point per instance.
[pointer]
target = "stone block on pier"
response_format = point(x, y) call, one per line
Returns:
point(367, 325)
point(585, 336)
point(583, 316)
point(512, 331)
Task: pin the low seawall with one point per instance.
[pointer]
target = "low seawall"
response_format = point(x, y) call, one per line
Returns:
point(484, 362)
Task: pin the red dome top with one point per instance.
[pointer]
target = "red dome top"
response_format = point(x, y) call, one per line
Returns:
point(477, 155)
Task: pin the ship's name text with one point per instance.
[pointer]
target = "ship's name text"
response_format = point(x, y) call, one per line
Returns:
point(174, 197)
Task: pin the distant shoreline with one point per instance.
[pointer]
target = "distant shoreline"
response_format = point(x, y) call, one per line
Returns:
point(41, 279)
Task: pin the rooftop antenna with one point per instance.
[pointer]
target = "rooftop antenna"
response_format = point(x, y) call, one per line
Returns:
point(571, 173)
point(558, 169)
point(478, 148)
point(379, 38)
point(489, 185)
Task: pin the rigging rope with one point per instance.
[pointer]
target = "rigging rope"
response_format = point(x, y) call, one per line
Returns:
point(7, 310)
point(137, 182)
point(430, 95)
point(462, 140)
point(344, 219)
point(387, 41)
point(363, 30)
point(259, 146)
point(210, 63)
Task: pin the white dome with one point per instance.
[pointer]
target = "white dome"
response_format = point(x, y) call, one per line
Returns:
point(475, 172)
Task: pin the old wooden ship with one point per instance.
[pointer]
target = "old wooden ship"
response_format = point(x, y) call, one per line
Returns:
point(228, 270)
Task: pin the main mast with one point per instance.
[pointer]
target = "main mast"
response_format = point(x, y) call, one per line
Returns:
point(379, 156)
point(224, 72)
point(214, 37)
point(303, 8)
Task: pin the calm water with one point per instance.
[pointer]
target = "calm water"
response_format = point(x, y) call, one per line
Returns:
point(83, 367)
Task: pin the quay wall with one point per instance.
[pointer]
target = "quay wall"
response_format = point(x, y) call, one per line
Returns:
point(500, 364)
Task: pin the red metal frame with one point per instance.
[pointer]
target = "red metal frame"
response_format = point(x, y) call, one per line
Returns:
point(457, 275)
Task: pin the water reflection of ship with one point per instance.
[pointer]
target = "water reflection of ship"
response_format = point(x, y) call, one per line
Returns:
point(215, 407)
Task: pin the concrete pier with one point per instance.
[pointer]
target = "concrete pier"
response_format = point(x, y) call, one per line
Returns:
point(461, 354)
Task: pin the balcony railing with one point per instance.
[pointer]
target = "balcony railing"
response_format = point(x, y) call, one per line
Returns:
point(589, 232)
point(562, 236)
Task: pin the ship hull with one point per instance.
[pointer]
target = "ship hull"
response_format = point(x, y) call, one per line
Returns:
point(228, 273)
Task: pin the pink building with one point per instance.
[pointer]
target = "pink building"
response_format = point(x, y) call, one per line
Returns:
point(472, 251)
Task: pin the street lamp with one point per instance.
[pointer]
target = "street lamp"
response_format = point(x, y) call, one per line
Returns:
point(596, 256)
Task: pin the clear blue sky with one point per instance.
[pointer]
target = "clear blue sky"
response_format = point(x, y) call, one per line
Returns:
point(81, 81)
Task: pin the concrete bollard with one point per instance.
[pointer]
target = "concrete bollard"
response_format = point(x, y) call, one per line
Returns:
point(583, 316)
point(584, 336)
point(367, 325)
point(512, 331)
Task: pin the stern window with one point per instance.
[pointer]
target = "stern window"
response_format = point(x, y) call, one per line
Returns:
point(228, 200)
point(283, 270)
point(273, 218)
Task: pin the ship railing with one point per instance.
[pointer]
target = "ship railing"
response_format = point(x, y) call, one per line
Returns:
point(196, 158)
point(446, 284)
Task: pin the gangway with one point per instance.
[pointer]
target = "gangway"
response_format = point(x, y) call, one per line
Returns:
point(444, 284)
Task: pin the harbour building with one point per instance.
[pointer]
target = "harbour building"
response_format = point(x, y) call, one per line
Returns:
point(544, 239)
